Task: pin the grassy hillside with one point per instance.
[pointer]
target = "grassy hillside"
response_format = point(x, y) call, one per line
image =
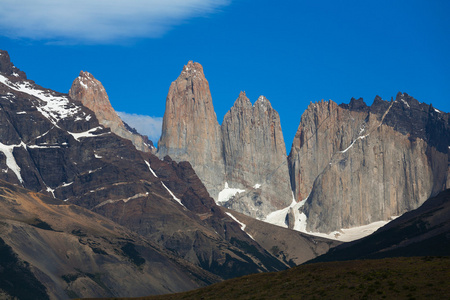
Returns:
point(393, 278)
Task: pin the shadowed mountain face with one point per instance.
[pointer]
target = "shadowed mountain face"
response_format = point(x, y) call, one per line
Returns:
point(54, 145)
point(52, 248)
point(358, 164)
point(424, 231)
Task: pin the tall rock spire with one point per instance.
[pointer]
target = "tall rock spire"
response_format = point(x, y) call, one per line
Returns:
point(91, 93)
point(255, 157)
point(190, 130)
point(243, 162)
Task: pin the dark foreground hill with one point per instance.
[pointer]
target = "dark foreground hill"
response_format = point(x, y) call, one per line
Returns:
point(392, 278)
point(51, 249)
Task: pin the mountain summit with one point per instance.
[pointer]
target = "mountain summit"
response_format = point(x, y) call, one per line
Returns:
point(190, 130)
point(242, 162)
point(91, 93)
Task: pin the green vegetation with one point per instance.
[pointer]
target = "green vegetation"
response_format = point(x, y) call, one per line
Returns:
point(393, 278)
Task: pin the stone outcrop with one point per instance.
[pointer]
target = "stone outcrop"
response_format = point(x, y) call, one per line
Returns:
point(255, 158)
point(190, 131)
point(91, 93)
point(52, 144)
point(362, 164)
point(242, 162)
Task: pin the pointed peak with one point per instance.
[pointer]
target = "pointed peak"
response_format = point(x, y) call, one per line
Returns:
point(192, 69)
point(357, 104)
point(85, 74)
point(242, 101)
point(8, 68)
point(263, 101)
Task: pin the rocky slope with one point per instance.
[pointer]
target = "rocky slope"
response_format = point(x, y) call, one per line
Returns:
point(91, 93)
point(361, 164)
point(50, 143)
point(291, 247)
point(242, 162)
point(424, 231)
point(53, 249)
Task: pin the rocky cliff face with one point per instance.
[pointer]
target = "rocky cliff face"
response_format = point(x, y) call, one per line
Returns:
point(242, 162)
point(255, 158)
point(51, 144)
point(91, 93)
point(362, 164)
point(190, 131)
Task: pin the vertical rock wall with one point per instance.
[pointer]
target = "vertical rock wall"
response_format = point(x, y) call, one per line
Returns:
point(362, 165)
point(246, 154)
point(190, 130)
point(255, 157)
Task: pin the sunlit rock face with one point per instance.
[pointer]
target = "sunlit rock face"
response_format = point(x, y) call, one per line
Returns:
point(255, 157)
point(91, 93)
point(242, 162)
point(361, 164)
point(190, 131)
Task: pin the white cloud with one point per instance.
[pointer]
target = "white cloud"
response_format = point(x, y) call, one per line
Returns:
point(97, 21)
point(146, 125)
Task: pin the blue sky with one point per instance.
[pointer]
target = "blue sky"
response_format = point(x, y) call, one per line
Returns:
point(292, 52)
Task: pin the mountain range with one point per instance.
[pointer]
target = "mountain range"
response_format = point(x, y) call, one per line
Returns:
point(54, 145)
point(82, 193)
point(350, 165)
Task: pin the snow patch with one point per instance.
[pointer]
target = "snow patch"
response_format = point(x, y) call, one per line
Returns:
point(354, 141)
point(406, 103)
point(10, 160)
point(240, 223)
point(54, 108)
point(65, 184)
point(437, 110)
point(345, 234)
point(52, 191)
point(42, 147)
point(257, 186)
point(278, 217)
point(150, 168)
point(352, 234)
point(86, 134)
point(83, 84)
point(21, 112)
point(227, 193)
point(173, 196)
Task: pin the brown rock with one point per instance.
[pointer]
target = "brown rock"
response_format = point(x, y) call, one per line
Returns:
point(255, 157)
point(190, 130)
point(366, 165)
point(91, 93)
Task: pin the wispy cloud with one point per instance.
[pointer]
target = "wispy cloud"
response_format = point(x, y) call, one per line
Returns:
point(97, 21)
point(149, 126)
